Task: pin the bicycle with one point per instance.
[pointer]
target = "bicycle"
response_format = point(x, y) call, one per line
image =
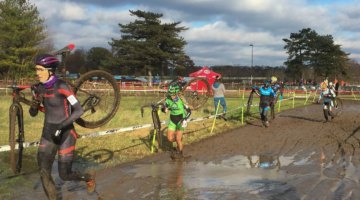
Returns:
point(97, 91)
point(194, 92)
point(157, 135)
point(331, 111)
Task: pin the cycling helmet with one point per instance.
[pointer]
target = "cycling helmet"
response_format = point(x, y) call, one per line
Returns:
point(330, 84)
point(266, 83)
point(48, 61)
point(273, 79)
point(173, 90)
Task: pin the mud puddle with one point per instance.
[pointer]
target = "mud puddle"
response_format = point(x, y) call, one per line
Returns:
point(251, 177)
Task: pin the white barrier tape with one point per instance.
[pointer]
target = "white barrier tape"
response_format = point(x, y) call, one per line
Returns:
point(25, 144)
point(100, 133)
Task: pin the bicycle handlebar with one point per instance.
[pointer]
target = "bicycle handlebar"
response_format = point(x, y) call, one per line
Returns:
point(153, 106)
point(64, 50)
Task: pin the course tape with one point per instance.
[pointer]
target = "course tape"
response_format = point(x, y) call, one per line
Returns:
point(102, 133)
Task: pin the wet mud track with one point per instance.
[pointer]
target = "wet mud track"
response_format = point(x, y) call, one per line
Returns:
point(298, 157)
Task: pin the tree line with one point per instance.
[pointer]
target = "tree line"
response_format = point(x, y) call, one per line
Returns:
point(149, 47)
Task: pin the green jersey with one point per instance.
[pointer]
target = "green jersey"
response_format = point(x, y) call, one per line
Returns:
point(176, 107)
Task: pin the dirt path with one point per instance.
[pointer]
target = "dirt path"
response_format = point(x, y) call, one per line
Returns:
point(297, 157)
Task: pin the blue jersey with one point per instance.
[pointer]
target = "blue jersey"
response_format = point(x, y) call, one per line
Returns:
point(266, 91)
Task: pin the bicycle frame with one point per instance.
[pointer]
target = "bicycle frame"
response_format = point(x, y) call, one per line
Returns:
point(156, 123)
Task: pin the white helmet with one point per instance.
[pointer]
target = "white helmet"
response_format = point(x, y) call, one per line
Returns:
point(273, 79)
point(331, 84)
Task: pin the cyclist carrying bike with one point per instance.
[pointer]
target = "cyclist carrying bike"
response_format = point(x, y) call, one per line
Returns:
point(61, 109)
point(179, 114)
point(328, 95)
point(266, 97)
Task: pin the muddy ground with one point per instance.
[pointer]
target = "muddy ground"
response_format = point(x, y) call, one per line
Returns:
point(298, 157)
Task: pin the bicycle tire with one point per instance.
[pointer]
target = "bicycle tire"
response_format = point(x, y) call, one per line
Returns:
point(196, 92)
point(272, 111)
point(16, 135)
point(326, 114)
point(99, 95)
point(338, 104)
point(157, 126)
point(249, 103)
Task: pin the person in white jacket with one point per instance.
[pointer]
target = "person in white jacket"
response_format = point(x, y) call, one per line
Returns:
point(218, 89)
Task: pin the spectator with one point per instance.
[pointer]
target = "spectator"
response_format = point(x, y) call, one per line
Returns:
point(219, 96)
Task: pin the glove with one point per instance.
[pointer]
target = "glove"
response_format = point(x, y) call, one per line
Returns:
point(34, 107)
point(35, 104)
point(184, 123)
point(164, 109)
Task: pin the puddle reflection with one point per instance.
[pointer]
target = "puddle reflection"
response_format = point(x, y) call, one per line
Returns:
point(254, 177)
point(245, 175)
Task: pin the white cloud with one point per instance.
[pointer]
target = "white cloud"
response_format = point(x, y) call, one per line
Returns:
point(227, 27)
point(71, 11)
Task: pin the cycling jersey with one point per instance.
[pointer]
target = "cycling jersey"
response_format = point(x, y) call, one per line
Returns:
point(276, 87)
point(266, 96)
point(178, 112)
point(328, 95)
point(60, 104)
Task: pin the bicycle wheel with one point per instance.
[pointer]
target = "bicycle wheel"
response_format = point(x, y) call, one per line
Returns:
point(272, 106)
point(338, 106)
point(16, 135)
point(157, 126)
point(99, 95)
point(249, 102)
point(326, 113)
point(196, 92)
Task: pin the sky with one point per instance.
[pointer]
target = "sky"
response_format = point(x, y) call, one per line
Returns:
point(219, 31)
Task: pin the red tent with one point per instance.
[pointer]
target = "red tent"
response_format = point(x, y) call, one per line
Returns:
point(206, 73)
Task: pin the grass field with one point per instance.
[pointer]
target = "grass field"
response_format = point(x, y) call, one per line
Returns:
point(110, 150)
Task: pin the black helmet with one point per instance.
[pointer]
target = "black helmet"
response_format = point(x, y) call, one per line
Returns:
point(48, 61)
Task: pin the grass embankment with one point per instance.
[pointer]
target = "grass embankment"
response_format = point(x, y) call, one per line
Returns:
point(111, 150)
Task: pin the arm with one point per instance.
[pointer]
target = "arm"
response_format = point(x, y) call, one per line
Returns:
point(35, 104)
point(188, 112)
point(76, 109)
point(223, 88)
point(333, 95)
